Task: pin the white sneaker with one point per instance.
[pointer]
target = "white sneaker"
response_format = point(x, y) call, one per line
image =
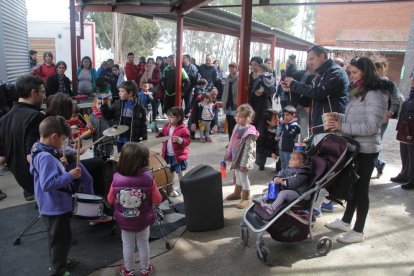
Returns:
point(338, 224)
point(351, 237)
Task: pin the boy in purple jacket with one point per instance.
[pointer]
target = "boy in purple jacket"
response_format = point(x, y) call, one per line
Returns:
point(53, 191)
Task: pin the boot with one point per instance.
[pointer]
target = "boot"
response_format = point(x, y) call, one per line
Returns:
point(244, 202)
point(236, 194)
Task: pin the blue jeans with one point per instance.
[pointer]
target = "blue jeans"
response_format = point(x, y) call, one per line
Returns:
point(284, 158)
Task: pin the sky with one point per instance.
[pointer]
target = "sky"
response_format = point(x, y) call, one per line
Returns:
point(47, 10)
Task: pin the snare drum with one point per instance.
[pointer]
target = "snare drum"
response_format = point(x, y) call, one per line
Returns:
point(87, 206)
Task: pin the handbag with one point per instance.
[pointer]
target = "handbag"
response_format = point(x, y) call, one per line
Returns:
point(405, 132)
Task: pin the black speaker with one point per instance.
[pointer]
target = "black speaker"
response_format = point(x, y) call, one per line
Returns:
point(203, 199)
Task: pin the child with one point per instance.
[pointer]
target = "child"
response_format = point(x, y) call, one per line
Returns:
point(175, 149)
point(145, 96)
point(195, 99)
point(103, 89)
point(205, 116)
point(129, 111)
point(290, 129)
point(75, 123)
point(292, 180)
point(53, 189)
point(133, 193)
point(115, 80)
point(241, 151)
point(105, 148)
point(267, 146)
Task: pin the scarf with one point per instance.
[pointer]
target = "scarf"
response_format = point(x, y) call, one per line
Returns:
point(149, 69)
point(97, 113)
point(39, 147)
point(356, 88)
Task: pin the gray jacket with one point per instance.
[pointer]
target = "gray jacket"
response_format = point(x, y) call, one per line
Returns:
point(362, 120)
point(235, 80)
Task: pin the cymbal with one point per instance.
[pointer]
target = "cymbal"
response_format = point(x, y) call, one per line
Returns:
point(115, 130)
point(155, 141)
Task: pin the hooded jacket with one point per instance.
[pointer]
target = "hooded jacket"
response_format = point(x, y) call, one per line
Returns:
point(246, 149)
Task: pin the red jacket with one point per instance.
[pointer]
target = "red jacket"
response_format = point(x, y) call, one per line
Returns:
point(180, 150)
point(45, 71)
point(131, 71)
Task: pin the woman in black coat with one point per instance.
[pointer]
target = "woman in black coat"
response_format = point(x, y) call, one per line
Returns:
point(405, 134)
point(58, 82)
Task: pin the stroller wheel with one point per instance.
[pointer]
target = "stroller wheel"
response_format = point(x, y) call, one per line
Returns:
point(262, 253)
point(244, 235)
point(324, 246)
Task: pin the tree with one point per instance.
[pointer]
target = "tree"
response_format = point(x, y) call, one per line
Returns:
point(125, 33)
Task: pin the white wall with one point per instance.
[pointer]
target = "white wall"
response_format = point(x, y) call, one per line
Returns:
point(60, 31)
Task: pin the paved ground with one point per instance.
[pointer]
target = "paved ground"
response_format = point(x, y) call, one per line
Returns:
point(388, 248)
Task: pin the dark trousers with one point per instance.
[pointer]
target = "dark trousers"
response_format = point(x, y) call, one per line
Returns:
point(407, 160)
point(94, 166)
point(260, 159)
point(60, 239)
point(360, 203)
point(231, 123)
point(188, 97)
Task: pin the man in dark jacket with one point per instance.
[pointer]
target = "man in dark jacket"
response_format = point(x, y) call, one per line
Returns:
point(19, 130)
point(208, 71)
point(329, 89)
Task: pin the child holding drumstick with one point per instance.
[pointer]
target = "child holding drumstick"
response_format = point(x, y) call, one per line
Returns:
point(133, 193)
point(175, 149)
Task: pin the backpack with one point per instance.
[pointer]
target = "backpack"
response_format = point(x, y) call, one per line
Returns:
point(343, 186)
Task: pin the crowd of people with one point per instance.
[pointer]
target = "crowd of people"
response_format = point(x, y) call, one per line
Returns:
point(39, 148)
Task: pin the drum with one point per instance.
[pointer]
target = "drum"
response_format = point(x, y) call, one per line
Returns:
point(157, 165)
point(87, 206)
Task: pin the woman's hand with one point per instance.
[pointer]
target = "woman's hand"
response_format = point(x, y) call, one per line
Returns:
point(333, 125)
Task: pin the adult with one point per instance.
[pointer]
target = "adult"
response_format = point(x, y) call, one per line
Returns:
point(102, 69)
point(192, 72)
point(131, 70)
point(269, 63)
point(47, 69)
point(115, 80)
point(151, 73)
point(168, 81)
point(405, 124)
point(394, 102)
point(58, 82)
point(221, 76)
point(33, 61)
point(260, 95)
point(141, 69)
point(329, 89)
point(157, 89)
point(229, 97)
point(208, 72)
point(254, 66)
point(361, 121)
point(87, 76)
point(19, 130)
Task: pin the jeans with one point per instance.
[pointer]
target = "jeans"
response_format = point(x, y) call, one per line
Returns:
point(284, 158)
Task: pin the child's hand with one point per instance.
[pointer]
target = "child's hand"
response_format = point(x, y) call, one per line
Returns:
point(243, 169)
point(76, 173)
point(64, 161)
point(175, 139)
point(274, 156)
point(278, 180)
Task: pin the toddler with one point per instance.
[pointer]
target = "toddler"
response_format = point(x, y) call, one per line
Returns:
point(290, 130)
point(267, 146)
point(205, 116)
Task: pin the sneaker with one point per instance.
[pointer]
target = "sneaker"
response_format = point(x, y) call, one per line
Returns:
point(202, 140)
point(124, 272)
point(327, 207)
point(28, 196)
point(316, 213)
point(148, 271)
point(380, 170)
point(208, 139)
point(261, 168)
point(2, 195)
point(176, 193)
point(338, 224)
point(351, 237)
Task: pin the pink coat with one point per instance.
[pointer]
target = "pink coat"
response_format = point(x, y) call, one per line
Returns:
point(180, 150)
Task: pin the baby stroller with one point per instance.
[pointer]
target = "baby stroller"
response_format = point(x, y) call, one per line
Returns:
point(293, 221)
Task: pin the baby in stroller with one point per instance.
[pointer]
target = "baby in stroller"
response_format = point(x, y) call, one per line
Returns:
point(293, 181)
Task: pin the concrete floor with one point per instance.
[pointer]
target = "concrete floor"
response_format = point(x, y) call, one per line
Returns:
point(388, 248)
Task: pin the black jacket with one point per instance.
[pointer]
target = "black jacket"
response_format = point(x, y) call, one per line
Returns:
point(7, 98)
point(138, 125)
point(52, 85)
point(266, 143)
point(330, 82)
point(407, 109)
point(260, 104)
point(19, 130)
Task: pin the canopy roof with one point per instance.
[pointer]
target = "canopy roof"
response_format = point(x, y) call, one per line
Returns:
point(206, 19)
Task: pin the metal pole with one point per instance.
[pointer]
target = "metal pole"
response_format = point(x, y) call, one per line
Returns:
point(73, 46)
point(245, 39)
point(178, 60)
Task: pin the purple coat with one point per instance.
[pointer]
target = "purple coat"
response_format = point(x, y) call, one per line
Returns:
point(134, 210)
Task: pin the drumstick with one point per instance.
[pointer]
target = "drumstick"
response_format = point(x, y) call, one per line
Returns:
point(97, 141)
point(78, 153)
